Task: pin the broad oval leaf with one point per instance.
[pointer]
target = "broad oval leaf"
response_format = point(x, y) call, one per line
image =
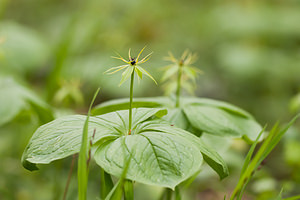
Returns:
point(211, 157)
point(215, 103)
point(219, 122)
point(156, 157)
point(62, 137)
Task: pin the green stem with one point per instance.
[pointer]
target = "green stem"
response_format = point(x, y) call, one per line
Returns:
point(130, 102)
point(106, 184)
point(128, 190)
point(178, 86)
point(169, 193)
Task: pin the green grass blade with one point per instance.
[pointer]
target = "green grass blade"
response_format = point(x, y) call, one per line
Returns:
point(278, 136)
point(293, 198)
point(117, 191)
point(250, 152)
point(268, 145)
point(83, 157)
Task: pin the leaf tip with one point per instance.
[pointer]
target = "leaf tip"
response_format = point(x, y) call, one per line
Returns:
point(29, 166)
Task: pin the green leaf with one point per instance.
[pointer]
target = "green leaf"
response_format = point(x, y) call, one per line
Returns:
point(62, 137)
point(214, 160)
point(146, 73)
point(159, 156)
point(139, 73)
point(211, 157)
point(116, 69)
point(219, 122)
point(14, 98)
point(24, 49)
point(169, 72)
point(215, 103)
point(126, 74)
point(189, 87)
point(177, 118)
point(190, 72)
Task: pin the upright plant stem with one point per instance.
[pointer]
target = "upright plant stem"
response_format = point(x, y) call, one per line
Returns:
point(178, 86)
point(169, 193)
point(128, 190)
point(130, 102)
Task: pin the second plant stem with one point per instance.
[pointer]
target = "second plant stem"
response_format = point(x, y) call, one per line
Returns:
point(178, 90)
point(130, 102)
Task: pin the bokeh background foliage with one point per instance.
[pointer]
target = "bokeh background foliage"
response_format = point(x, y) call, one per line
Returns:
point(57, 51)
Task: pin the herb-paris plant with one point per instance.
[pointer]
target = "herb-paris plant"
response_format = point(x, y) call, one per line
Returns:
point(132, 66)
point(157, 152)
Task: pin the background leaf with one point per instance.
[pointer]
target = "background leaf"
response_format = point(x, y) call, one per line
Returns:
point(219, 122)
point(14, 98)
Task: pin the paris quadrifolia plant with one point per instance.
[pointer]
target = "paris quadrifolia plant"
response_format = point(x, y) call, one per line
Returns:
point(132, 66)
point(148, 140)
point(134, 145)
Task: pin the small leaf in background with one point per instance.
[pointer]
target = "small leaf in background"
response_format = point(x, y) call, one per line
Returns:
point(216, 121)
point(24, 50)
point(14, 98)
point(295, 103)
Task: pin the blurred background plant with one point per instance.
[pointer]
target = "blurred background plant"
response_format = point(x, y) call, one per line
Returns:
point(57, 52)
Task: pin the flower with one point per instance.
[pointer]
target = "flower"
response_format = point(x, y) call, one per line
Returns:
point(133, 64)
point(182, 66)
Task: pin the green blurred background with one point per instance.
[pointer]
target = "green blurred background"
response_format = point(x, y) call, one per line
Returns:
point(58, 49)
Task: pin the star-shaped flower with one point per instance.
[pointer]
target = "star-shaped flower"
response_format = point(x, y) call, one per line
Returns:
point(133, 64)
point(188, 72)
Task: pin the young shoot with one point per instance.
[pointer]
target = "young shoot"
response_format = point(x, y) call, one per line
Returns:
point(131, 66)
point(180, 74)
